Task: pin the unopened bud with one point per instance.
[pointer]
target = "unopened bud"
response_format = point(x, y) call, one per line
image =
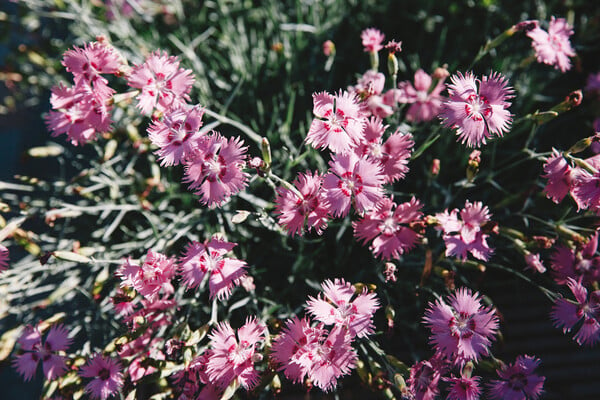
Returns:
point(392, 64)
point(265, 148)
point(581, 145)
point(473, 165)
point(328, 48)
point(440, 73)
point(435, 167)
point(525, 26)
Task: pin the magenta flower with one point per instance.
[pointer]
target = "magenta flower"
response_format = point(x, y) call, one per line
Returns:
point(77, 113)
point(580, 264)
point(388, 226)
point(339, 124)
point(566, 313)
point(48, 352)
point(4, 257)
point(164, 85)
point(477, 109)
point(214, 171)
point(425, 377)
point(585, 188)
point(392, 155)
point(201, 259)
point(463, 388)
point(558, 173)
point(372, 39)
point(534, 263)
point(343, 307)
point(303, 207)
point(352, 181)
point(462, 330)
point(232, 358)
point(425, 101)
point(466, 235)
point(148, 279)
point(518, 381)
point(107, 377)
point(553, 47)
point(176, 134)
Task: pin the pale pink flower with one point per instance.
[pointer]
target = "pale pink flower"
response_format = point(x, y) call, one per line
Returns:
point(388, 226)
point(558, 173)
point(392, 155)
point(164, 85)
point(107, 376)
point(463, 388)
point(425, 377)
point(518, 381)
point(352, 181)
point(372, 39)
point(77, 113)
point(208, 259)
point(339, 122)
point(477, 109)
point(48, 352)
point(342, 306)
point(307, 210)
point(553, 47)
point(154, 274)
point(534, 262)
point(466, 235)
point(464, 329)
point(214, 170)
point(4, 257)
point(567, 313)
point(580, 263)
point(176, 134)
point(232, 357)
point(425, 101)
point(88, 63)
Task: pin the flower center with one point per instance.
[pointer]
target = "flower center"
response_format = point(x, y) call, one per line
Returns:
point(388, 226)
point(477, 107)
point(214, 168)
point(462, 325)
point(350, 184)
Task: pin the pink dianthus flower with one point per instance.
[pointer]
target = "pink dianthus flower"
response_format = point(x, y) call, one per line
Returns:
point(339, 122)
point(425, 377)
point(154, 274)
point(342, 306)
point(308, 209)
point(388, 226)
point(477, 109)
point(214, 170)
point(466, 235)
point(558, 173)
point(518, 381)
point(232, 358)
point(566, 313)
point(164, 85)
point(207, 259)
point(352, 181)
point(107, 377)
point(48, 352)
point(372, 39)
point(425, 101)
point(553, 47)
point(462, 330)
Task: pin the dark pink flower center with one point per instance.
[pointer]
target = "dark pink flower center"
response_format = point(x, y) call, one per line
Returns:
point(462, 325)
point(104, 374)
point(214, 167)
point(336, 120)
point(350, 184)
point(518, 381)
point(478, 107)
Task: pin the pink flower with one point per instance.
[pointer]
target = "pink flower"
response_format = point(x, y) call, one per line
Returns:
point(462, 330)
point(425, 376)
point(388, 227)
point(567, 314)
point(372, 39)
point(343, 307)
point(466, 235)
point(77, 113)
point(517, 381)
point(4, 257)
point(214, 171)
point(558, 173)
point(201, 259)
point(370, 83)
point(580, 264)
point(534, 262)
point(149, 278)
point(232, 358)
point(107, 377)
point(328, 48)
point(585, 188)
point(352, 181)
point(463, 388)
point(392, 155)
point(339, 124)
point(302, 350)
point(477, 109)
point(553, 47)
point(303, 207)
point(425, 101)
point(164, 85)
point(176, 134)
point(53, 363)
point(142, 351)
